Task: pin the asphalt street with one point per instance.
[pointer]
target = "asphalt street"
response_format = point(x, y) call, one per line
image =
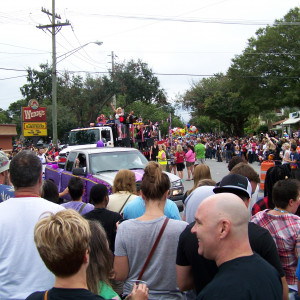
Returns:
point(218, 170)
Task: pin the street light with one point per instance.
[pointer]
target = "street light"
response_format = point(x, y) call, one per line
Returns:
point(71, 52)
point(54, 82)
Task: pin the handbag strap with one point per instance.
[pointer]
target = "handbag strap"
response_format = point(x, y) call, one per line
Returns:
point(81, 208)
point(153, 248)
point(46, 295)
point(124, 204)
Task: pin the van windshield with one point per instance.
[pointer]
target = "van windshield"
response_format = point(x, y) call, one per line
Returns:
point(115, 161)
point(84, 136)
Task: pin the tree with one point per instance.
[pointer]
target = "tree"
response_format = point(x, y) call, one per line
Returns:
point(85, 98)
point(136, 81)
point(80, 100)
point(268, 71)
point(39, 85)
point(216, 98)
point(4, 117)
point(205, 124)
point(14, 111)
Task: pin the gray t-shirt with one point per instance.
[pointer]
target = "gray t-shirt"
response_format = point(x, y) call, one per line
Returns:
point(135, 239)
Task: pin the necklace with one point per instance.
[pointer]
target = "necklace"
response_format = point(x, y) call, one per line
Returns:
point(281, 210)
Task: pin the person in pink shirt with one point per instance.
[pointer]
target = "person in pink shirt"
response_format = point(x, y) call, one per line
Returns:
point(190, 161)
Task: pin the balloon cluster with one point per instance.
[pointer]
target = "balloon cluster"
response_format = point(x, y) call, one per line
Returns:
point(191, 129)
point(181, 132)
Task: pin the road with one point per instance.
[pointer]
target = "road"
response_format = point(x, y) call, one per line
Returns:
point(217, 169)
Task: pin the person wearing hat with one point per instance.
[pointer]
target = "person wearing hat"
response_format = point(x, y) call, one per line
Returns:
point(6, 190)
point(195, 271)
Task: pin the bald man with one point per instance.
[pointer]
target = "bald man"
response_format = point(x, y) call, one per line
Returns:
point(222, 231)
point(195, 272)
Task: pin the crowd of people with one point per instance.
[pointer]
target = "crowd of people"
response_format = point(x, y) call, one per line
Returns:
point(176, 154)
point(135, 244)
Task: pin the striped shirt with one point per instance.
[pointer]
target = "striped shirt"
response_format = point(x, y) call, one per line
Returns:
point(285, 230)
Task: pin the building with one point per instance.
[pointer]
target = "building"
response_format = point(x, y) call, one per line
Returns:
point(292, 124)
point(7, 132)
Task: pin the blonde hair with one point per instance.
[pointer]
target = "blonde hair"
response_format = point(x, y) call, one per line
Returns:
point(201, 172)
point(119, 110)
point(62, 240)
point(179, 148)
point(124, 181)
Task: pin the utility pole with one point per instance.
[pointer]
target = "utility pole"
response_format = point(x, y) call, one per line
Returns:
point(55, 28)
point(114, 100)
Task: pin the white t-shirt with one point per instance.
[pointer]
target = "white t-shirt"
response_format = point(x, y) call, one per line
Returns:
point(194, 199)
point(117, 200)
point(43, 160)
point(22, 270)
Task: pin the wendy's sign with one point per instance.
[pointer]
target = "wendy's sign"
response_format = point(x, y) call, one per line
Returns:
point(33, 112)
point(34, 119)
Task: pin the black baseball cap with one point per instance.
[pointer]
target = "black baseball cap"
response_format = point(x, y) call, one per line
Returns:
point(233, 183)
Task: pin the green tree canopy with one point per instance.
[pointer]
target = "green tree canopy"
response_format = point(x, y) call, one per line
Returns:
point(268, 71)
point(136, 81)
point(80, 100)
point(215, 98)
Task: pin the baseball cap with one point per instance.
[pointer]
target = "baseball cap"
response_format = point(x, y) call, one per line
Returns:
point(4, 162)
point(234, 183)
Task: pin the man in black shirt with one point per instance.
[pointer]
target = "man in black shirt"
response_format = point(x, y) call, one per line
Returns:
point(108, 219)
point(228, 150)
point(195, 271)
point(222, 231)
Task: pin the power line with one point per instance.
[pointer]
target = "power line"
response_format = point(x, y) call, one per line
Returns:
point(24, 53)
point(192, 20)
point(10, 69)
point(157, 51)
point(24, 47)
point(13, 77)
point(171, 74)
point(80, 56)
point(198, 75)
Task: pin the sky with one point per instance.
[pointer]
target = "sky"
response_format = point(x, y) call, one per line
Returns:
point(181, 41)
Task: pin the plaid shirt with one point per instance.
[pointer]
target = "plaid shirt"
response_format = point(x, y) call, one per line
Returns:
point(285, 230)
point(262, 204)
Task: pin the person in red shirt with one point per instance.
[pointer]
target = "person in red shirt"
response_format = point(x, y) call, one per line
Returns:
point(180, 155)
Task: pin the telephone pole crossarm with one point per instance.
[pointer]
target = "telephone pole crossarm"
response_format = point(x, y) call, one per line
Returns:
point(55, 25)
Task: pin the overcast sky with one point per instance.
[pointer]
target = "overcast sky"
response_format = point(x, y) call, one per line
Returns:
point(193, 37)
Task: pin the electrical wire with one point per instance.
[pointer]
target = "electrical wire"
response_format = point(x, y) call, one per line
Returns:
point(190, 20)
point(13, 77)
point(10, 69)
point(88, 60)
point(173, 74)
point(25, 47)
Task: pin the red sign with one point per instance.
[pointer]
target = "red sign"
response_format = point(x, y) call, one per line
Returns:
point(34, 115)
